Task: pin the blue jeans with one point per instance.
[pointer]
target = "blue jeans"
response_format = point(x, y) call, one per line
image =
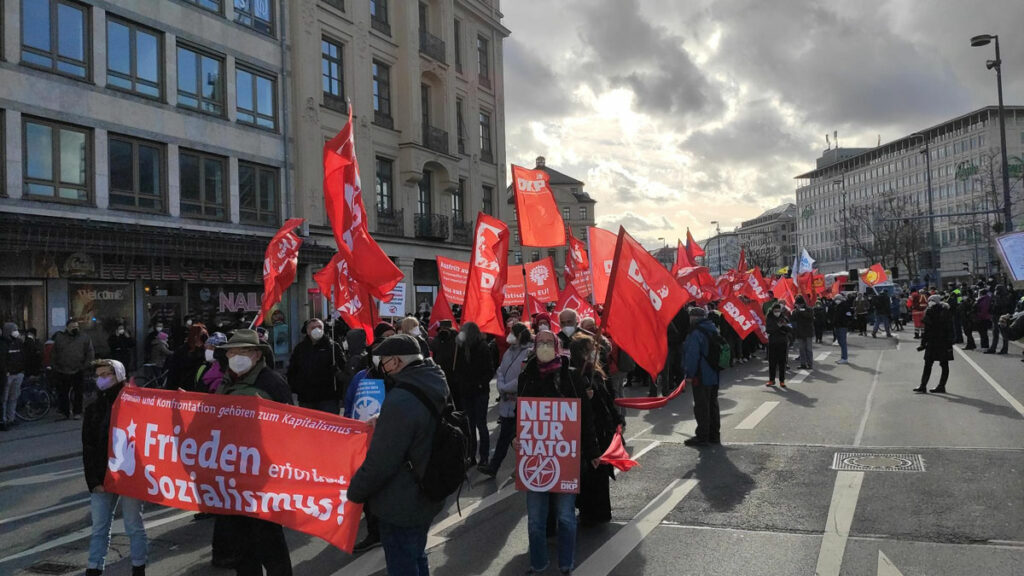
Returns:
point(881, 321)
point(102, 508)
point(841, 337)
point(405, 549)
point(537, 520)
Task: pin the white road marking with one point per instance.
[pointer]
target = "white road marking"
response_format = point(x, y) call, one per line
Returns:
point(626, 539)
point(886, 567)
point(822, 356)
point(756, 416)
point(44, 511)
point(646, 449)
point(837, 527)
point(867, 402)
point(1002, 391)
point(42, 478)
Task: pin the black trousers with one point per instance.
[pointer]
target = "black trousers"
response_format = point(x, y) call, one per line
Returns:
point(982, 327)
point(69, 392)
point(261, 545)
point(594, 500)
point(927, 374)
point(778, 354)
point(705, 411)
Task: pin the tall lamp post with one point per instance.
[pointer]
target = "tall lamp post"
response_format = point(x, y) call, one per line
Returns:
point(718, 245)
point(840, 182)
point(934, 257)
point(984, 40)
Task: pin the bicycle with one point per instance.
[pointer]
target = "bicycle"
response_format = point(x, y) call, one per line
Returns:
point(36, 400)
point(153, 377)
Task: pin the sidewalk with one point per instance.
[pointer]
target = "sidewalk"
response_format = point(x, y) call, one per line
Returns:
point(31, 443)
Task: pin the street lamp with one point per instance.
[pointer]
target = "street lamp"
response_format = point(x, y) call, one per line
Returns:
point(846, 252)
point(718, 245)
point(933, 259)
point(984, 40)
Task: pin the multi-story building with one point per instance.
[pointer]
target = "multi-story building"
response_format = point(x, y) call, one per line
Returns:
point(770, 239)
point(426, 84)
point(142, 163)
point(721, 252)
point(860, 209)
point(576, 206)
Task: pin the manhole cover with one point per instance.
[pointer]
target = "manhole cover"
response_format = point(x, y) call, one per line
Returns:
point(878, 462)
point(51, 568)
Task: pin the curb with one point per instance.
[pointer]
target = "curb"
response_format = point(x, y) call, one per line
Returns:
point(39, 461)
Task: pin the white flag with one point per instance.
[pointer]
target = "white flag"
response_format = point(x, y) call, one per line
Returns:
point(806, 263)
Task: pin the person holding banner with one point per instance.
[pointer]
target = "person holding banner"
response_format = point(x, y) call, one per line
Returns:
point(702, 378)
point(110, 380)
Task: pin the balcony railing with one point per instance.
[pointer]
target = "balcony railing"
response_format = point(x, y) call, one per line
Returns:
point(390, 222)
point(462, 231)
point(435, 139)
point(380, 26)
point(384, 120)
point(432, 46)
point(487, 156)
point(431, 226)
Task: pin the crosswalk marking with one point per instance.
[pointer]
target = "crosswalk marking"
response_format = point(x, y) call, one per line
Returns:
point(886, 567)
point(756, 416)
point(999, 389)
point(837, 527)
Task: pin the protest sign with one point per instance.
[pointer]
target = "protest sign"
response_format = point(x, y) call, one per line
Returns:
point(549, 445)
point(453, 274)
point(395, 308)
point(368, 400)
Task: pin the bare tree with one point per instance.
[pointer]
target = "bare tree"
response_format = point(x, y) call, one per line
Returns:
point(761, 250)
point(885, 229)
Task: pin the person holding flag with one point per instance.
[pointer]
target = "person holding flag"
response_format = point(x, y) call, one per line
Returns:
point(702, 377)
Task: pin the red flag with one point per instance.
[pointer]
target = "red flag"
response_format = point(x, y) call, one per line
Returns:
point(755, 287)
point(488, 271)
point(786, 291)
point(741, 266)
point(874, 275)
point(693, 250)
point(683, 259)
point(441, 311)
point(515, 288)
point(540, 223)
point(641, 302)
point(837, 285)
point(602, 254)
point(532, 308)
point(570, 299)
point(541, 282)
point(699, 283)
point(348, 296)
point(343, 201)
point(650, 403)
point(577, 263)
point(739, 315)
point(280, 262)
point(762, 327)
point(453, 275)
point(616, 454)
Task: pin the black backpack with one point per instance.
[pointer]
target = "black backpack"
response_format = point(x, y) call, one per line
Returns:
point(449, 451)
point(716, 347)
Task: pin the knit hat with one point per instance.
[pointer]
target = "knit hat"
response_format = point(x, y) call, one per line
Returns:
point(217, 339)
point(698, 313)
point(119, 372)
point(397, 345)
point(380, 329)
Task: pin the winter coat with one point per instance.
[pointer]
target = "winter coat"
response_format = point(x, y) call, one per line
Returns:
point(182, 367)
point(983, 310)
point(33, 356)
point(96, 436)
point(607, 417)
point(560, 384)
point(882, 304)
point(779, 330)
point(442, 350)
point(72, 354)
point(842, 314)
point(121, 348)
point(159, 353)
point(313, 369)
point(259, 381)
point(210, 377)
point(937, 338)
point(473, 371)
point(400, 449)
point(696, 363)
point(803, 322)
point(13, 350)
point(508, 378)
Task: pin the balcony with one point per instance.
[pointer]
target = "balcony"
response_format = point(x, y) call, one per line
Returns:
point(380, 26)
point(432, 46)
point(383, 120)
point(487, 156)
point(431, 226)
point(435, 139)
point(462, 231)
point(390, 222)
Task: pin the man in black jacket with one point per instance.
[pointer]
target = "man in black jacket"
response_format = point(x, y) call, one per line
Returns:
point(314, 368)
point(1002, 303)
point(12, 373)
point(842, 316)
point(883, 307)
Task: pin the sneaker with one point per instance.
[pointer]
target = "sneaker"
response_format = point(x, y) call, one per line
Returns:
point(368, 543)
point(842, 361)
point(783, 384)
point(695, 442)
point(770, 383)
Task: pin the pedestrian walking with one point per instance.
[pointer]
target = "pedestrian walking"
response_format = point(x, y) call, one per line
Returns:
point(111, 379)
point(842, 315)
point(804, 332)
point(315, 368)
point(12, 373)
point(72, 355)
point(520, 342)
point(779, 332)
point(702, 379)
point(936, 342)
point(474, 369)
point(882, 306)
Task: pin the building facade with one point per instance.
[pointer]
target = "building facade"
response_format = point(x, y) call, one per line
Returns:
point(873, 206)
point(576, 206)
point(722, 252)
point(770, 239)
point(426, 84)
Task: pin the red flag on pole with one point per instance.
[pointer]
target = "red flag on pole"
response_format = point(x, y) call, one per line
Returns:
point(616, 454)
point(347, 295)
point(488, 271)
point(515, 287)
point(698, 283)
point(541, 282)
point(441, 311)
point(602, 254)
point(741, 266)
point(570, 299)
point(756, 287)
point(693, 250)
point(343, 201)
point(738, 314)
point(683, 259)
point(577, 262)
point(540, 223)
point(874, 275)
point(280, 262)
point(786, 291)
point(642, 300)
point(837, 285)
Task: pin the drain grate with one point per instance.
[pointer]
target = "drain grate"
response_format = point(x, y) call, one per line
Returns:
point(855, 462)
point(51, 568)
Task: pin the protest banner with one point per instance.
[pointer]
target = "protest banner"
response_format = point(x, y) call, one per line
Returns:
point(738, 315)
point(453, 275)
point(541, 281)
point(549, 445)
point(238, 455)
point(515, 286)
point(368, 400)
point(395, 308)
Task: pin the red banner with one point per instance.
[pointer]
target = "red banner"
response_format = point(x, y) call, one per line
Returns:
point(571, 299)
point(682, 258)
point(756, 287)
point(515, 287)
point(874, 275)
point(693, 250)
point(347, 295)
point(541, 282)
point(453, 274)
point(602, 255)
point(739, 315)
point(699, 283)
point(279, 265)
point(540, 222)
point(785, 289)
point(239, 455)
point(441, 311)
point(549, 445)
point(577, 262)
point(488, 272)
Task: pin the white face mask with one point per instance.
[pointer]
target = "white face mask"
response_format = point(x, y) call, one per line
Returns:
point(545, 353)
point(416, 331)
point(240, 364)
point(104, 382)
point(511, 338)
point(15, 334)
point(461, 338)
point(568, 330)
point(120, 331)
point(209, 355)
point(316, 333)
point(188, 324)
point(542, 327)
point(777, 313)
point(159, 328)
point(344, 345)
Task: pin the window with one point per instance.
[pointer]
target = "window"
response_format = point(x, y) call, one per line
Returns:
point(257, 194)
point(203, 187)
point(55, 36)
point(488, 201)
point(458, 196)
point(566, 212)
point(385, 190)
point(134, 57)
point(200, 81)
point(254, 98)
point(460, 125)
point(483, 60)
point(256, 14)
point(583, 212)
point(458, 46)
point(423, 205)
point(379, 16)
point(136, 174)
point(485, 137)
point(535, 255)
point(332, 72)
point(57, 161)
point(211, 5)
point(518, 257)
point(382, 94)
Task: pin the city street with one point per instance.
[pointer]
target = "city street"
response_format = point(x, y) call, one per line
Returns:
point(768, 501)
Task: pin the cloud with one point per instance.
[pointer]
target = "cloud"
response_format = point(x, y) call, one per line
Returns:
point(533, 90)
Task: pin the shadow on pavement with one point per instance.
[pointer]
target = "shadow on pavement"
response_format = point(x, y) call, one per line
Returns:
point(983, 406)
point(723, 484)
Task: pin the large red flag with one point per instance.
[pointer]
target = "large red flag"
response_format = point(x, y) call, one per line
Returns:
point(650, 403)
point(642, 300)
point(699, 283)
point(441, 311)
point(875, 275)
point(541, 282)
point(279, 265)
point(837, 285)
point(577, 263)
point(602, 254)
point(738, 314)
point(343, 201)
point(453, 274)
point(683, 259)
point(570, 299)
point(540, 223)
point(488, 271)
point(693, 250)
point(786, 291)
point(515, 287)
point(348, 295)
point(741, 266)
point(755, 287)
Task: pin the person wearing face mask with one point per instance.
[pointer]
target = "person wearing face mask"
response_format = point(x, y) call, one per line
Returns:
point(313, 371)
point(110, 380)
point(72, 354)
point(779, 331)
point(541, 322)
point(12, 373)
point(261, 544)
point(474, 369)
point(212, 373)
point(520, 343)
point(411, 326)
point(122, 346)
point(568, 321)
point(936, 342)
point(187, 359)
point(803, 330)
point(147, 343)
point(160, 351)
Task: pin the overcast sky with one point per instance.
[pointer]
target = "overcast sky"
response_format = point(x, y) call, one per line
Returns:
point(679, 112)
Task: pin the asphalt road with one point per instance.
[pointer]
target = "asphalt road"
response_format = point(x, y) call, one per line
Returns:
point(769, 501)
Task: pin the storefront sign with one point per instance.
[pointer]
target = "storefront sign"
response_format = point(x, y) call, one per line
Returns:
point(396, 307)
point(232, 301)
point(549, 445)
point(78, 265)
